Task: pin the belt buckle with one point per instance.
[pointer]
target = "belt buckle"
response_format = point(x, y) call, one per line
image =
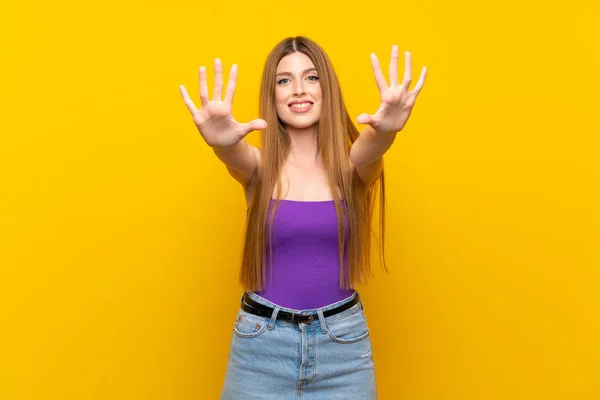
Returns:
point(310, 318)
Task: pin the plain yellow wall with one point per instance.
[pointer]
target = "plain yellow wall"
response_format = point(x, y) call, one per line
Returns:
point(122, 232)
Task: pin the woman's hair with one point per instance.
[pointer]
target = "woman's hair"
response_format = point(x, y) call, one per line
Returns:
point(336, 133)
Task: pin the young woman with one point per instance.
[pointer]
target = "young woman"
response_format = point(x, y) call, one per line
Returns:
point(301, 331)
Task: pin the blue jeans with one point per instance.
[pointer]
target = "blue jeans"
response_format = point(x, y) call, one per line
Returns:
point(328, 359)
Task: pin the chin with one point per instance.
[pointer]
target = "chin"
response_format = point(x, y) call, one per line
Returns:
point(299, 123)
point(296, 125)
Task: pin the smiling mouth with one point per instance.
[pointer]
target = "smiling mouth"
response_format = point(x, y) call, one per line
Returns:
point(300, 106)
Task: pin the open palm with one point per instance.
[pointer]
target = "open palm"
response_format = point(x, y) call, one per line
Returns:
point(214, 120)
point(397, 101)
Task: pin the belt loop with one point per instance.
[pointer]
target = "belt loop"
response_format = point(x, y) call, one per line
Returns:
point(273, 318)
point(322, 320)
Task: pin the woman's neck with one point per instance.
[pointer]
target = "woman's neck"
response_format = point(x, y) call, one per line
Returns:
point(303, 149)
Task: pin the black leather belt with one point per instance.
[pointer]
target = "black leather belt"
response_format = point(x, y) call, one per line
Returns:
point(253, 307)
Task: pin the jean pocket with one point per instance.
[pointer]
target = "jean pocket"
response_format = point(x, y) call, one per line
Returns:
point(350, 328)
point(248, 325)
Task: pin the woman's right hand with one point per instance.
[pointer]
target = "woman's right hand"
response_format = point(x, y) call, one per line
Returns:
point(214, 120)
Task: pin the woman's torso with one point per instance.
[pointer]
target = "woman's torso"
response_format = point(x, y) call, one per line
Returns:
point(305, 252)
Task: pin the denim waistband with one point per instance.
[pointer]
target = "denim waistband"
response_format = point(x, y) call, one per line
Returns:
point(258, 298)
point(318, 311)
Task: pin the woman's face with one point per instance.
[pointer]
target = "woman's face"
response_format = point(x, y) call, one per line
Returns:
point(297, 80)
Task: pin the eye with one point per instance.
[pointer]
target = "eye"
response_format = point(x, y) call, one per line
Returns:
point(316, 78)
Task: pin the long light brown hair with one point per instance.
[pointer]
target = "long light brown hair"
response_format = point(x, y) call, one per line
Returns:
point(336, 133)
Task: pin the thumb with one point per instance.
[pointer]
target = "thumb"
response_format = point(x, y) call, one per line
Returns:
point(255, 124)
point(364, 119)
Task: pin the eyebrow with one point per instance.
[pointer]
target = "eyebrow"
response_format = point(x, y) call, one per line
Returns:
point(303, 72)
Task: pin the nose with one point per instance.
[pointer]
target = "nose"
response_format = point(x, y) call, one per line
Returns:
point(299, 86)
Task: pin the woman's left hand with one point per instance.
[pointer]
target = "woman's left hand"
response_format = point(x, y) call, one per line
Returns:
point(396, 101)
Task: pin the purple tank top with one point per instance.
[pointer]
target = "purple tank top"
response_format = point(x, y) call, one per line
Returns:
point(306, 264)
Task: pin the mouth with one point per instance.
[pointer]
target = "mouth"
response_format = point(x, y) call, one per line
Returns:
point(301, 107)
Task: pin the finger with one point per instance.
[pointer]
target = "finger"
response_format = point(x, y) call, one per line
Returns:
point(231, 84)
point(421, 82)
point(203, 87)
point(254, 125)
point(218, 80)
point(407, 70)
point(394, 66)
point(364, 119)
point(379, 79)
point(186, 99)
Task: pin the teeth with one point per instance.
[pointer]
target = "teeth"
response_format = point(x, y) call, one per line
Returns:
point(300, 105)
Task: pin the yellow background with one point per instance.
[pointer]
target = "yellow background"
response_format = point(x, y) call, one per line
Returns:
point(121, 231)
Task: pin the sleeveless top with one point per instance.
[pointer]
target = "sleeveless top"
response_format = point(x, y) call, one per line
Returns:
point(306, 266)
